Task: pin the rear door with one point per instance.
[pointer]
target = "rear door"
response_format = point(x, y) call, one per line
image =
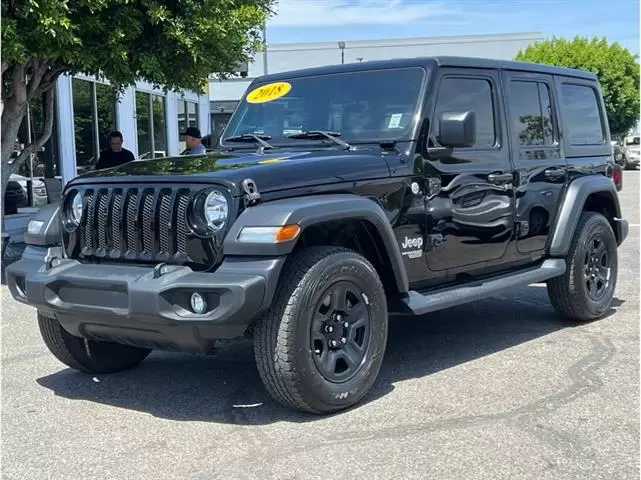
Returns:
point(537, 155)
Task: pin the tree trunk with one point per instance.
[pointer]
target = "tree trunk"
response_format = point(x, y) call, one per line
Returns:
point(42, 80)
point(12, 116)
point(28, 81)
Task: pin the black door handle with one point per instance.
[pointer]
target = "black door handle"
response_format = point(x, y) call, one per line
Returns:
point(554, 172)
point(499, 178)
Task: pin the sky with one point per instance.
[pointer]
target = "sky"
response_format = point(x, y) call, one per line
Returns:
point(334, 20)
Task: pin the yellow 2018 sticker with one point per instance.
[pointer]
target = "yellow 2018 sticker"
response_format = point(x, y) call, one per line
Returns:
point(268, 92)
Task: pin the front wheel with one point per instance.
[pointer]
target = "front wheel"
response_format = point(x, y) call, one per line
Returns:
point(88, 356)
point(586, 289)
point(320, 347)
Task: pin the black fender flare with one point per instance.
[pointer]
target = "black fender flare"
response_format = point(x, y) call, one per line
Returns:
point(49, 232)
point(311, 210)
point(572, 205)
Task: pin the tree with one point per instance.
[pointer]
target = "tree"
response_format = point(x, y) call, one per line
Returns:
point(616, 67)
point(174, 45)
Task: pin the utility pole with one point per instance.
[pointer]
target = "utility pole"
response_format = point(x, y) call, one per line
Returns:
point(264, 47)
point(341, 45)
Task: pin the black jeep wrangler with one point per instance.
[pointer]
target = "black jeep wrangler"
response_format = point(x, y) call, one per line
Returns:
point(338, 196)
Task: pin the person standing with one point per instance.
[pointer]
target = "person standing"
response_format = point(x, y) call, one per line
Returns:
point(193, 141)
point(114, 154)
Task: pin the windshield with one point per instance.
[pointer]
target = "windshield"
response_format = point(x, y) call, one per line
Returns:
point(362, 106)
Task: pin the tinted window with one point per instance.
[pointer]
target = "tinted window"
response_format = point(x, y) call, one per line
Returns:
point(582, 117)
point(530, 110)
point(367, 105)
point(463, 94)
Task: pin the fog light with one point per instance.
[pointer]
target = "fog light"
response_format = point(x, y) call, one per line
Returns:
point(198, 304)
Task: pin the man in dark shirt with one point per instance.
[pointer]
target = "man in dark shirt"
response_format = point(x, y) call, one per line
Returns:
point(114, 155)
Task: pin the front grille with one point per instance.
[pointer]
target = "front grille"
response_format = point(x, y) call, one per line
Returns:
point(135, 223)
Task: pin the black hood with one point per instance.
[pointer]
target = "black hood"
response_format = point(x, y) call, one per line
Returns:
point(271, 172)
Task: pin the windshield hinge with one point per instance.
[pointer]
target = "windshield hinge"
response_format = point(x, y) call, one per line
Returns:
point(251, 194)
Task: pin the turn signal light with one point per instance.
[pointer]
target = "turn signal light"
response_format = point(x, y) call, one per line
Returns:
point(287, 233)
point(280, 234)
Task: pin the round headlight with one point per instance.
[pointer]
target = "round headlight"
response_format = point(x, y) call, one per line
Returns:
point(76, 208)
point(216, 210)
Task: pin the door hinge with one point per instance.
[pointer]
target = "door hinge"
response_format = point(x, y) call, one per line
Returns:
point(521, 228)
point(434, 241)
point(434, 186)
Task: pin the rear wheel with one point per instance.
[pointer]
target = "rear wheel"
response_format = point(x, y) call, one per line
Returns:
point(88, 355)
point(586, 289)
point(320, 348)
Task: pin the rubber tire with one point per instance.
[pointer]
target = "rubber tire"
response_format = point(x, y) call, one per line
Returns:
point(281, 336)
point(94, 357)
point(568, 292)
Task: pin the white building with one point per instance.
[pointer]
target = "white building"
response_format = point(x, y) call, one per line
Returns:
point(224, 95)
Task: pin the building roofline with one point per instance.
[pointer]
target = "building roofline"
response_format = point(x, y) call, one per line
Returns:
point(388, 42)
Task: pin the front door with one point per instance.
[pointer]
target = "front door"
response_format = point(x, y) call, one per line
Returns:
point(537, 155)
point(470, 204)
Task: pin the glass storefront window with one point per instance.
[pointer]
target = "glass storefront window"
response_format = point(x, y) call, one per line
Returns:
point(83, 124)
point(187, 117)
point(192, 114)
point(159, 120)
point(94, 112)
point(105, 103)
point(151, 125)
point(142, 125)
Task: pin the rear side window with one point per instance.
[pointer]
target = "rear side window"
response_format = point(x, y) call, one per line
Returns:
point(531, 113)
point(461, 95)
point(582, 115)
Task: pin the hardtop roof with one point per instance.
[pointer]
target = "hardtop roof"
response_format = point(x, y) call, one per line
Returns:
point(432, 62)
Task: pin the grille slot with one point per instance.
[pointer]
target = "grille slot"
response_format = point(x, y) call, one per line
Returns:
point(145, 224)
point(88, 233)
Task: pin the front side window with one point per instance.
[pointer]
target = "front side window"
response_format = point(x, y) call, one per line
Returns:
point(531, 113)
point(582, 115)
point(362, 106)
point(462, 95)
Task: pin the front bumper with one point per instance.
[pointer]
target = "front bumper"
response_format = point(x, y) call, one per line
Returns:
point(138, 306)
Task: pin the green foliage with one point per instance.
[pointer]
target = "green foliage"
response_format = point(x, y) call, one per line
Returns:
point(177, 44)
point(615, 66)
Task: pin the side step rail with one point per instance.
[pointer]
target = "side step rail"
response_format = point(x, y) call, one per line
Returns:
point(415, 303)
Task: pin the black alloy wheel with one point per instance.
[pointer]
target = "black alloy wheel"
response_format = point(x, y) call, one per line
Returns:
point(340, 332)
point(596, 269)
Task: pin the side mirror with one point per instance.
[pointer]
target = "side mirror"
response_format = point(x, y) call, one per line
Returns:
point(457, 129)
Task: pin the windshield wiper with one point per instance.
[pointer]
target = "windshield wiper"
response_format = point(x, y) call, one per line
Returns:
point(320, 135)
point(250, 137)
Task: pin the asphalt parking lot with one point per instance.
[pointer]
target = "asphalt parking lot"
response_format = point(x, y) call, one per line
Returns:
point(498, 389)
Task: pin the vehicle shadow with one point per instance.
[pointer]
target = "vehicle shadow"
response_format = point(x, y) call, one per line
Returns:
point(225, 387)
